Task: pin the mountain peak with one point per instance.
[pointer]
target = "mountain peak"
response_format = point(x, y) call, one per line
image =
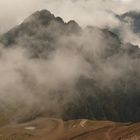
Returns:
point(40, 24)
point(44, 16)
point(43, 13)
point(131, 14)
point(134, 17)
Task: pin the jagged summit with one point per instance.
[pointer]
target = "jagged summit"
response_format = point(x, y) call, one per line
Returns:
point(44, 28)
point(43, 13)
point(41, 24)
point(44, 16)
point(132, 17)
point(131, 14)
point(107, 77)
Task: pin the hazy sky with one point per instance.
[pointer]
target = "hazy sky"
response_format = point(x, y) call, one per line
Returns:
point(84, 12)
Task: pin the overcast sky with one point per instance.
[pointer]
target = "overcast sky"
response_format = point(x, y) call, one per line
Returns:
point(85, 12)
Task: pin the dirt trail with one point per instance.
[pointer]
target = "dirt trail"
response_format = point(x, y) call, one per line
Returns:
point(108, 133)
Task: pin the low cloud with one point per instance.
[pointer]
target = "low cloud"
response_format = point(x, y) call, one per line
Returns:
point(85, 12)
point(48, 83)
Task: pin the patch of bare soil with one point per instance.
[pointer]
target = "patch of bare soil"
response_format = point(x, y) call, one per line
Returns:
point(55, 129)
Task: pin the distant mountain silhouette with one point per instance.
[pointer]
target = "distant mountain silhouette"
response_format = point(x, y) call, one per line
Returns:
point(134, 18)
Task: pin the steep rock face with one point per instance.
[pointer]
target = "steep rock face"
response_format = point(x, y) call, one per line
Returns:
point(39, 32)
point(42, 32)
point(109, 89)
point(132, 17)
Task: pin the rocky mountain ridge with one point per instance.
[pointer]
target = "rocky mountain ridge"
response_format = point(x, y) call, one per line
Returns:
point(110, 88)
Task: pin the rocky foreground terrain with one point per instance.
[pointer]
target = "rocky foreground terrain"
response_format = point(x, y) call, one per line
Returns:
point(55, 129)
